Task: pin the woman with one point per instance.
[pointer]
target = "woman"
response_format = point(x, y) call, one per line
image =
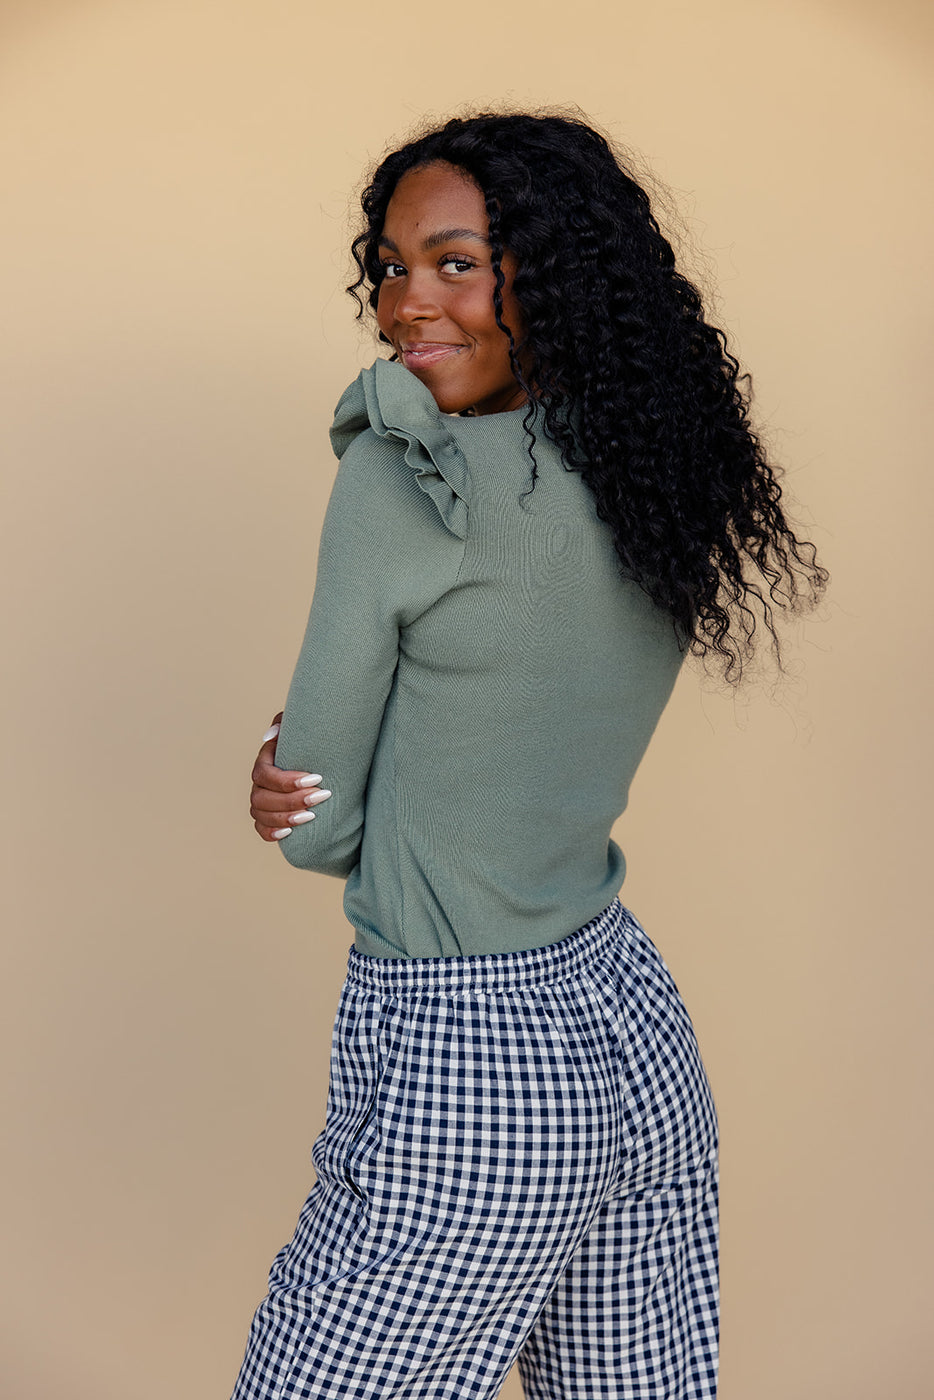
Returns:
point(548, 497)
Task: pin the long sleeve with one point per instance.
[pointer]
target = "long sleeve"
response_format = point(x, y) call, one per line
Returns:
point(386, 555)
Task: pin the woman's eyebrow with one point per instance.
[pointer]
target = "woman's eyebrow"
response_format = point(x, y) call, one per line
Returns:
point(453, 235)
point(444, 235)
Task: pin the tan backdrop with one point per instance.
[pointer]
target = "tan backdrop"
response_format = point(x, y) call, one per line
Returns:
point(177, 178)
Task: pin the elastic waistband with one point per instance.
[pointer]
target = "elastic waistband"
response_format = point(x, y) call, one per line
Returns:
point(496, 972)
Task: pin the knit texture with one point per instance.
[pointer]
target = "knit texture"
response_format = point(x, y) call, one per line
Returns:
point(477, 683)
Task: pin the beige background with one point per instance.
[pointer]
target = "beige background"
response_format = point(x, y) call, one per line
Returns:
point(176, 180)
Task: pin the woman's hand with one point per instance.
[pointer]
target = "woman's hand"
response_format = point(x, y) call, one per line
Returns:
point(280, 800)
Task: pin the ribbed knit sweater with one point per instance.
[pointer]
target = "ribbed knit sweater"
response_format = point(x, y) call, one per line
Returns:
point(477, 683)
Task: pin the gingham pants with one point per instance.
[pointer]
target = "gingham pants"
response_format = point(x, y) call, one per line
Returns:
point(519, 1160)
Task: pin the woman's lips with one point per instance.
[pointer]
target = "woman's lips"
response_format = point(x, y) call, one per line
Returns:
point(428, 353)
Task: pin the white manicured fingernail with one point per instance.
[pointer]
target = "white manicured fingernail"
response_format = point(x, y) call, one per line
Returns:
point(309, 780)
point(314, 798)
point(298, 817)
point(271, 733)
point(282, 833)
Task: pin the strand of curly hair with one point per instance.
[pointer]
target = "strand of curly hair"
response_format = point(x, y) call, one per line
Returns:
point(638, 390)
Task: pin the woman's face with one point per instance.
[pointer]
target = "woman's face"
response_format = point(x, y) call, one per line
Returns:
point(436, 297)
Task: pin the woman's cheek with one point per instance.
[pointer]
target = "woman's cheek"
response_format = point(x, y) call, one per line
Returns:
point(384, 316)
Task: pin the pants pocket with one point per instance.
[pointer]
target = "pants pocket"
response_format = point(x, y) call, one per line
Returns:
point(358, 1133)
point(357, 1058)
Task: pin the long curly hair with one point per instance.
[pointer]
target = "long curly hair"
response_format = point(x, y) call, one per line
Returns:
point(638, 390)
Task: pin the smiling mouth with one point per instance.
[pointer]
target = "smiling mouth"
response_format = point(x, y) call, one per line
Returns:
point(427, 354)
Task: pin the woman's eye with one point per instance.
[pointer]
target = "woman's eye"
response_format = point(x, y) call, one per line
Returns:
point(458, 264)
point(392, 269)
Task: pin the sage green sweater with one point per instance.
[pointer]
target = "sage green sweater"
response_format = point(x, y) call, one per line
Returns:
point(477, 684)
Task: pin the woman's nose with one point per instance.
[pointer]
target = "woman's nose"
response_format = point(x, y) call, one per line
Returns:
point(417, 300)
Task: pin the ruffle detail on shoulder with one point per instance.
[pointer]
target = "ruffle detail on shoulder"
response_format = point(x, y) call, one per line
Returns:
point(391, 401)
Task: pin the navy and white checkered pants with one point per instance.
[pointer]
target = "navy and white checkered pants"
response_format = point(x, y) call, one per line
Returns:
point(520, 1160)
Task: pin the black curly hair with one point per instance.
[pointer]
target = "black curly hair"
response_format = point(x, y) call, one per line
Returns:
point(638, 390)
